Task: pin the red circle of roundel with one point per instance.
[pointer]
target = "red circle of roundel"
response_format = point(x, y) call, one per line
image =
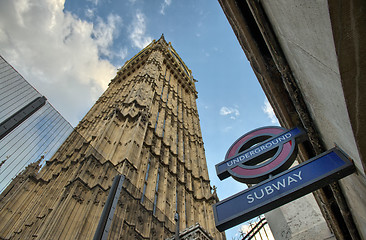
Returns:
point(280, 161)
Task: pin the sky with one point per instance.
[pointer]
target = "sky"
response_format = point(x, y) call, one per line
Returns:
point(70, 50)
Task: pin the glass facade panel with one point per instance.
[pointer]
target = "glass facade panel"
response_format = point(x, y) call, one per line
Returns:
point(15, 91)
point(38, 137)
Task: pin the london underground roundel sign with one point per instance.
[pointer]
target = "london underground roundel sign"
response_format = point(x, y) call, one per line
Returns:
point(260, 153)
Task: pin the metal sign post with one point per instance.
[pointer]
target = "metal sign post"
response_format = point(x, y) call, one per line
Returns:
point(105, 220)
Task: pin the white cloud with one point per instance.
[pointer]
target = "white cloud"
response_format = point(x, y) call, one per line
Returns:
point(89, 12)
point(95, 2)
point(104, 33)
point(138, 31)
point(164, 5)
point(121, 53)
point(58, 53)
point(233, 113)
point(267, 109)
point(227, 129)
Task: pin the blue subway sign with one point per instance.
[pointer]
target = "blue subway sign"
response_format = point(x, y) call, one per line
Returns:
point(279, 189)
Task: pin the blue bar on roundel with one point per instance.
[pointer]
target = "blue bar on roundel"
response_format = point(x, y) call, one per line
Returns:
point(282, 188)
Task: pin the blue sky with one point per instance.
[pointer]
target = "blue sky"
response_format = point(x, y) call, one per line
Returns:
point(70, 50)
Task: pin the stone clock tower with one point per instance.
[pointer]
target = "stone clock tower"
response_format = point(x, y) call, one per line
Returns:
point(146, 127)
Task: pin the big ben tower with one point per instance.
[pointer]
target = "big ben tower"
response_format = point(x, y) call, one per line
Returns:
point(145, 126)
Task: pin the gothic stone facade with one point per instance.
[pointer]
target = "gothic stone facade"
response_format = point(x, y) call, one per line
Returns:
point(144, 126)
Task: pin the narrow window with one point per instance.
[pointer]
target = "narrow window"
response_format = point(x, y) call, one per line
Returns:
point(162, 90)
point(143, 193)
point(155, 199)
point(181, 93)
point(185, 209)
point(156, 191)
point(157, 181)
point(178, 107)
point(164, 127)
point(178, 168)
point(176, 199)
point(177, 137)
point(178, 101)
point(157, 119)
point(167, 96)
point(145, 181)
point(183, 149)
point(147, 170)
